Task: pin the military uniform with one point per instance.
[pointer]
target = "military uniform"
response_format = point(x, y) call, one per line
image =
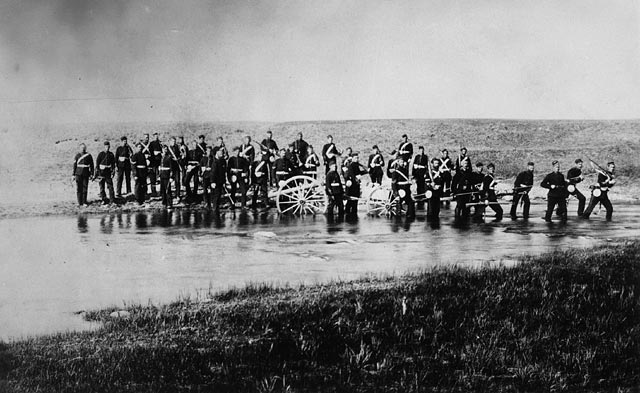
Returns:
point(218, 178)
point(525, 179)
point(400, 181)
point(106, 166)
point(420, 171)
point(574, 177)
point(329, 154)
point(155, 146)
point(557, 195)
point(206, 166)
point(335, 193)
point(311, 164)
point(462, 189)
point(605, 182)
point(294, 164)
point(445, 168)
point(352, 180)
point(140, 168)
point(376, 163)
point(123, 162)
point(238, 175)
point(269, 149)
point(248, 152)
point(193, 167)
point(176, 167)
point(260, 175)
point(459, 160)
point(282, 169)
point(436, 186)
point(405, 150)
point(83, 169)
point(300, 148)
point(165, 171)
point(489, 189)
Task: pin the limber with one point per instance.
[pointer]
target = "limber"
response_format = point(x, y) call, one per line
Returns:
point(561, 321)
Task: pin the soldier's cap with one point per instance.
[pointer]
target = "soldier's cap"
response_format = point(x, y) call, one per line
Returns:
point(393, 152)
point(310, 146)
point(479, 164)
point(463, 148)
point(106, 143)
point(291, 144)
point(404, 136)
point(329, 136)
point(138, 144)
point(165, 147)
point(435, 159)
point(420, 147)
point(355, 154)
point(554, 162)
point(578, 160)
point(375, 147)
point(147, 134)
point(491, 165)
point(444, 151)
point(610, 163)
point(236, 148)
point(124, 138)
point(201, 136)
point(530, 163)
point(155, 133)
point(209, 147)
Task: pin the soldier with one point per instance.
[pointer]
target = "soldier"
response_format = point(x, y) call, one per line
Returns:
point(521, 188)
point(194, 155)
point(420, 172)
point(489, 188)
point(146, 150)
point(334, 190)
point(106, 166)
point(282, 167)
point(300, 148)
point(436, 186)
point(220, 145)
point(247, 150)
point(156, 152)
point(184, 152)
point(462, 190)
point(352, 181)
point(329, 153)
point(405, 150)
point(574, 176)
point(401, 185)
point(557, 195)
point(140, 167)
point(166, 170)
point(260, 174)
point(347, 154)
point(202, 145)
point(445, 169)
point(218, 176)
point(311, 163)
point(477, 179)
point(391, 165)
point(176, 164)
point(270, 151)
point(463, 157)
point(294, 163)
point(606, 180)
point(376, 163)
point(238, 175)
point(207, 163)
point(82, 171)
point(123, 158)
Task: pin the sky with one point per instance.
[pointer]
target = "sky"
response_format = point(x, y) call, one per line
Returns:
point(190, 60)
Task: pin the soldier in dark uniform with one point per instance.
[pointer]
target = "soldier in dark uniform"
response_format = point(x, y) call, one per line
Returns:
point(83, 169)
point(218, 178)
point(221, 146)
point(247, 150)
point(260, 177)
point(335, 193)
point(184, 151)
point(176, 164)
point(574, 176)
point(436, 186)
point(557, 195)
point(521, 188)
point(463, 157)
point(301, 148)
point(202, 145)
point(311, 164)
point(105, 169)
point(155, 146)
point(462, 189)
point(329, 153)
point(401, 185)
point(477, 179)
point(269, 152)
point(238, 175)
point(140, 167)
point(347, 154)
point(166, 171)
point(606, 180)
point(194, 155)
point(489, 189)
point(292, 158)
point(420, 173)
point(405, 150)
point(282, 167)
point(207, 163)
point(445, 169)
point(123, 159)
point(352, 181)
point(376, 165)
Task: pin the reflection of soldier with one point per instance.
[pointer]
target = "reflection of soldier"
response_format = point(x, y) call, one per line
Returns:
point(521, 188)
point(82, 171)
point(401, 185)
point(123, 159)
point(489, 188)
point(139, 163)
point(376, 163)
point(574, 176)
point(106, 166)
point(334, 190)
point(557, 195)
point(606, 180)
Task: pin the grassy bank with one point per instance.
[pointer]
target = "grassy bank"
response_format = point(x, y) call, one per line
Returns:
point(562, 321)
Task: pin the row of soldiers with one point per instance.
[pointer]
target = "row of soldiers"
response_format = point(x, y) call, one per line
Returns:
point(211, 168)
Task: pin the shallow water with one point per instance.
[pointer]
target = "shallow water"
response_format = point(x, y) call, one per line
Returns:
point(56, 265)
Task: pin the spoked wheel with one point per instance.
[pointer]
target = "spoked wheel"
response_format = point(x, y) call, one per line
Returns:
point(301, 195)
point(382, 202)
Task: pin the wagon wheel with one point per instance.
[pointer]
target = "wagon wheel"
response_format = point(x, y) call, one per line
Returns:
point(382, 202)
point(301, 195)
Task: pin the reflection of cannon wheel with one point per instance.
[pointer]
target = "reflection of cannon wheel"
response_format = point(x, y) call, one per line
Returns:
point(301, 195)
point(382, 202)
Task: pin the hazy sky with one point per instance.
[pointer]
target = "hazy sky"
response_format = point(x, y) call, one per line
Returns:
point(308, 60)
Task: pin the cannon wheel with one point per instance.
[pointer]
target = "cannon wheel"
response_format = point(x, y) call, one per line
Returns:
point(301, 195)
point(382, 202)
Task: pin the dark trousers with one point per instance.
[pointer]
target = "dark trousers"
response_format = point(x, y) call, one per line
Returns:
point(526, 202)
point(192, 192)
point(206, 191)
point(351, 207)
point(581, 201)
point(604, 200)
point(495, 206)
point(82, 189)
point(242, 186)
point(123, 173)
point(109, 182)
point(216, 196)
point(446, 177)
point(411, 207)
point(165, 191)
point(462, 211)
point(177, 175)
point(552, 202)
point(335, 200)
point(422, 188)
point(152, 179)
point(260, 189)
point(141, 189)
point(376, 175)
point(433, 205)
